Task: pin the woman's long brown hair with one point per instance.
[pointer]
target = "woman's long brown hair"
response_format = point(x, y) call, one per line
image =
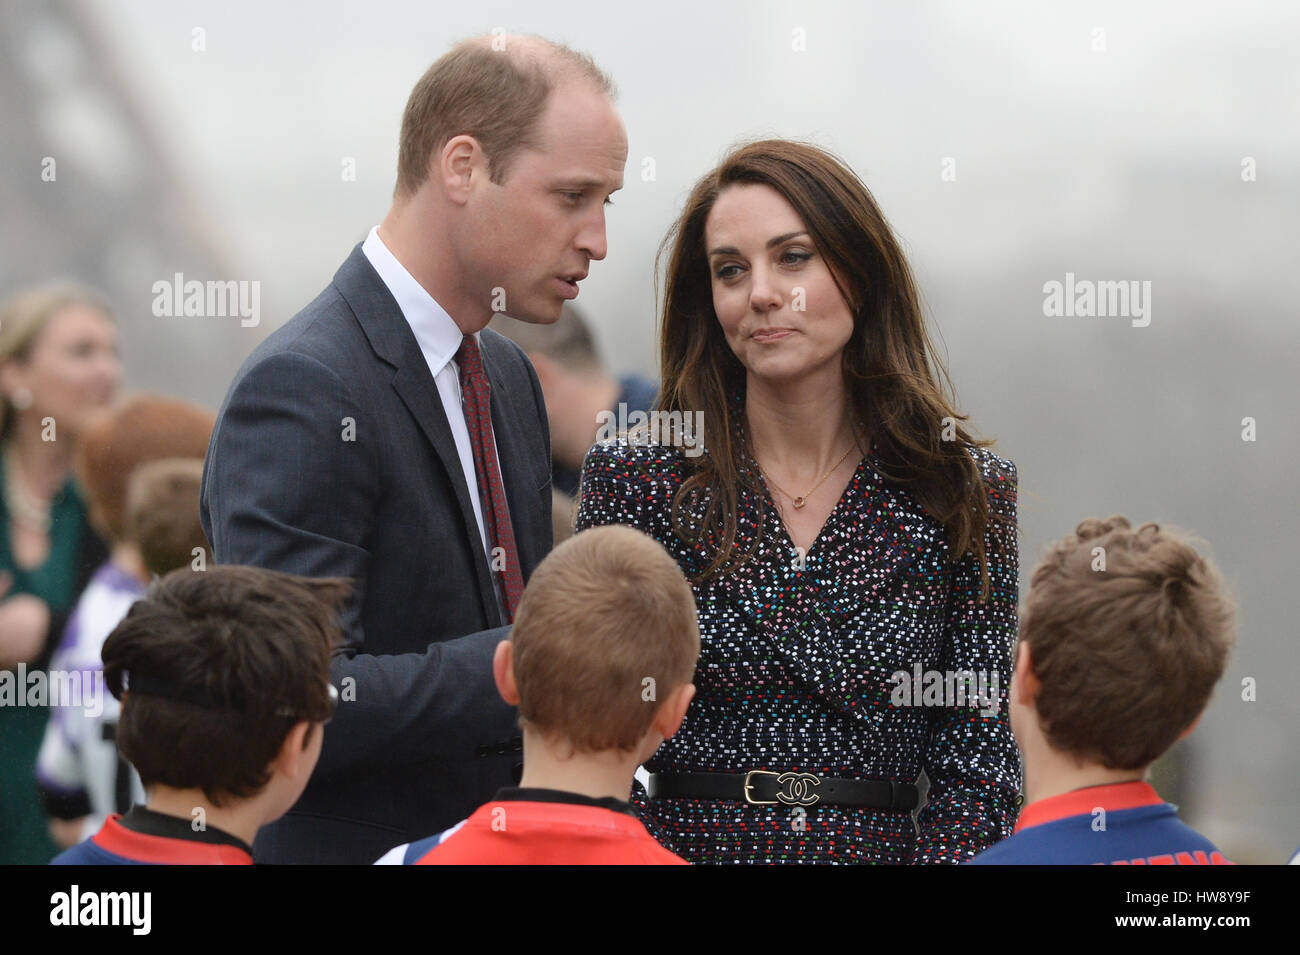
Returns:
point(891, 370)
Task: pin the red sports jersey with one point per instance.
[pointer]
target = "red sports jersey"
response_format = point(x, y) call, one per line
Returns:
point(171, 842)
point(523, 832)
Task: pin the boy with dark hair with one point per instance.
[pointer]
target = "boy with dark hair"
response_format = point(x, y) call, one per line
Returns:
point(599, 663)
point(224, 681)
point(1122, 637)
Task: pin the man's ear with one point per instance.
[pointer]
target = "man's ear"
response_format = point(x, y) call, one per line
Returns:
point(503, 670)
point(452, 167)
point(671, 712)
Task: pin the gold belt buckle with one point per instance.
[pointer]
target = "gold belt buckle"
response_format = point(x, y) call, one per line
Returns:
point(749, 785)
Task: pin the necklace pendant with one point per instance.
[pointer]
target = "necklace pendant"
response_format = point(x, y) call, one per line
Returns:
point(799, 502)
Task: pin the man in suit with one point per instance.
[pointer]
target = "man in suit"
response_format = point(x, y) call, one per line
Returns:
point(385, 436)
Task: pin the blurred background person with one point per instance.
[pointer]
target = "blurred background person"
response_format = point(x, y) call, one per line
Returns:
point(577, 388)
point(58, 365)
point(564, 510)
point(80, 776)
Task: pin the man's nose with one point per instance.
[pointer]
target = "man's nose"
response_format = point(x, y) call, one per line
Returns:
point(591, 239)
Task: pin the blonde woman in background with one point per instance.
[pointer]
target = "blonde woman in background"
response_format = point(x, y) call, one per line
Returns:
point(58, 364)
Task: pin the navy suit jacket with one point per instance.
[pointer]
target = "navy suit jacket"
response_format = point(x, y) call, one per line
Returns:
point(332, 456)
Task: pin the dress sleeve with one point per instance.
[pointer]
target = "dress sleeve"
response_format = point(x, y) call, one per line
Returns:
point(971, 757)
point(611, 488)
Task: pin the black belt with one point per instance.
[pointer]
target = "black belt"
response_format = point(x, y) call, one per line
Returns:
point(761, 787)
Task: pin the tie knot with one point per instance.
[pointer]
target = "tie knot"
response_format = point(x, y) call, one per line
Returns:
point(468, 358)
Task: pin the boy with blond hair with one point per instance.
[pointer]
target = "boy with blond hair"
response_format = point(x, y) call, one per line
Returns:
point(599, 662)
point(1122, 637)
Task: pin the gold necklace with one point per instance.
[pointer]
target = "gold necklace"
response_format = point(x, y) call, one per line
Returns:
point(800, 501)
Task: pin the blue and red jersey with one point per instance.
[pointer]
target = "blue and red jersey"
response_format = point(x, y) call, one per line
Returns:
point(144, 837)
point(1135, 827)
point(540, 827)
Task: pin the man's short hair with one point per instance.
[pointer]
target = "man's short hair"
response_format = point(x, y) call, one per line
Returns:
point(606, 630)
point(162, 503)
point(567, 341)
point(492, 88)
point(1128, 631)
point(217, 667)
point(118, 440)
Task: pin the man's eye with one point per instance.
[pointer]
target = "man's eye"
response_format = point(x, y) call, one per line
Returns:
point(573, 197)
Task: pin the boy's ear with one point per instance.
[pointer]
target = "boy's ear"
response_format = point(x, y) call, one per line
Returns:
point(671, 712)
point(503, 670)
point(289, 760)
point(1188, 732)
point(1027, 682)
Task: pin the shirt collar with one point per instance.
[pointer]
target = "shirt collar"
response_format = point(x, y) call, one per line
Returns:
point(518, 794)
point(438, 336)
point(1081, 802)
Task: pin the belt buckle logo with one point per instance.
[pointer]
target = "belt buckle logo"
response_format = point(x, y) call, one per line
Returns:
point(796, 789)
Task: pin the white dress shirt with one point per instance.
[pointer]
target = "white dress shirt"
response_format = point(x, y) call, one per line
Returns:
point(439, 339)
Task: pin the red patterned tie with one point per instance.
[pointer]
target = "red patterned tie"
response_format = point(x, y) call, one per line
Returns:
point(476, 395)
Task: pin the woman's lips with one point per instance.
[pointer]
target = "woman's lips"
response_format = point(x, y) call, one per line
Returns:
point(771, 334)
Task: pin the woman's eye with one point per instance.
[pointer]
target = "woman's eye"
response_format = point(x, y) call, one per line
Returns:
point(792, 257)
point(723, 272)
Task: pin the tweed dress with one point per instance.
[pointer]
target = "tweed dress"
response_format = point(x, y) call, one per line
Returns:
point(798, 660)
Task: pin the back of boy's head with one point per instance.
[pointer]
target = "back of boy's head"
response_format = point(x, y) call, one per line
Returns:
point(118, 440)
point(606, 629)
point(217, 667)
point(162, 510)
point(1128, 630)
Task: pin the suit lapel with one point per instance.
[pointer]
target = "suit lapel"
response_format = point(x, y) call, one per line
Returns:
point(393, 341)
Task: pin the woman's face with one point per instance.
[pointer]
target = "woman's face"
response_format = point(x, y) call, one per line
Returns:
point(773, 293)
point(73, 368)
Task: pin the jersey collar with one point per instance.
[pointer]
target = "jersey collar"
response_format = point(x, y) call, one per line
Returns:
point(1080, 802)
point(166, 850)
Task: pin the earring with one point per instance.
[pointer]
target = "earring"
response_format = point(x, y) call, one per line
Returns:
point(21, 399)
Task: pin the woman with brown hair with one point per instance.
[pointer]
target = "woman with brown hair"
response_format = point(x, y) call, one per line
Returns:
point(58, 365)
point(845, 536)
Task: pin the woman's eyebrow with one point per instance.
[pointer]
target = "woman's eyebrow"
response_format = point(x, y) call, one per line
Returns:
point(771, 243)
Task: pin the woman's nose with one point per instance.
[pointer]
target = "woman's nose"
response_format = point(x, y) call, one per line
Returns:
point(764, 295)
